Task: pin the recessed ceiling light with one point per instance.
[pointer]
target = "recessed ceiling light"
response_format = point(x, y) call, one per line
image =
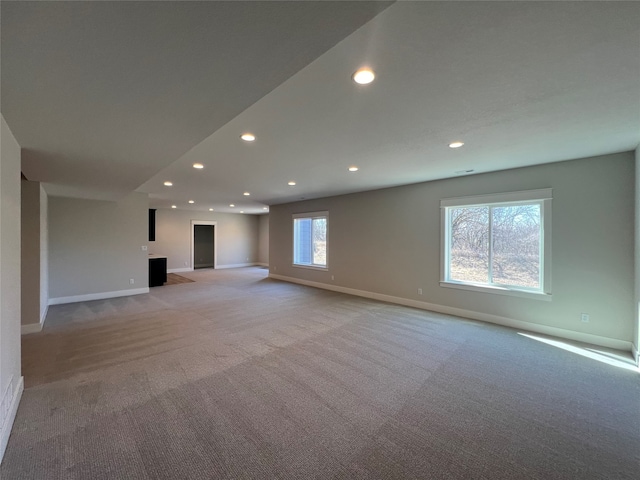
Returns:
point(241, 211)
point(198, 165)
point(231, 205)
point(265, 208)
point(168, 184)
point(291, 183)
point(191, 201)
point(353, 169)
point(248, 137)
point(173, 206)
point(211, 209)
point(456, 144)
point(364, 76)
point(246, 194)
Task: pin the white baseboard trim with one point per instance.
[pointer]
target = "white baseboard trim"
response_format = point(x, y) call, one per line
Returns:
point(30, 328)
point(261, 264)
point(8, 422)
point(35, 327)
point(179, 270)
point(236, 265)
point(459, 312)
point(97, 296)
point(636, 354)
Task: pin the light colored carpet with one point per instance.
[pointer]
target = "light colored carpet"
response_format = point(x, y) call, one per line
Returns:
point(237, 376)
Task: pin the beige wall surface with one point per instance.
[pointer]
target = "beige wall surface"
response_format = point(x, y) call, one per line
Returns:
point(236, 236)
point(263, 239)
point(44, 253)
point(30, 252)
point(10, 373)
point(636, 304)
point(95, 246)
point(388, 242)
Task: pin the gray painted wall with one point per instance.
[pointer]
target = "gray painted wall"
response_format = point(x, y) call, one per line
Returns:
point(34, 253)
point(236, 237)
point(44, 254)
point(263, 239)
point(95, 246)
point(388, 242)
point(30, 252)
point(10, 373)
point(636, 304)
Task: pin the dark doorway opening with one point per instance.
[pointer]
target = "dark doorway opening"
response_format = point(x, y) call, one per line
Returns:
point(203, 246)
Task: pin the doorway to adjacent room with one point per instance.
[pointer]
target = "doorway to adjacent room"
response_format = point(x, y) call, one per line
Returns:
point(203, 244)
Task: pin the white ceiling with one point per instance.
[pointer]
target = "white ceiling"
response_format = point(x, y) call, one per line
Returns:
point(109, 99)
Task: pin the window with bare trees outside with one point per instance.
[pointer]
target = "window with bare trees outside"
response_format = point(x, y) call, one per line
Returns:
point(310, 239)
point(499, 243)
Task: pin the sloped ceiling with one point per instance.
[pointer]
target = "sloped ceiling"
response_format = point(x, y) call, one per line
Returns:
point(108, 99)
point(103, 95)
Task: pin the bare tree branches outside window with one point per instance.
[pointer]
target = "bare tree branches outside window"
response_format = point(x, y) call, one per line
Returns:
point(320, 241)
point(496, 244)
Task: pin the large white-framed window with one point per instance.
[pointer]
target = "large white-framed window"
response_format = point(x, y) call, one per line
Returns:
point(498, 243)
point(310, 240)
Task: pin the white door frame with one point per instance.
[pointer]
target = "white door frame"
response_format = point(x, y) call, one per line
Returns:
point(215, 241)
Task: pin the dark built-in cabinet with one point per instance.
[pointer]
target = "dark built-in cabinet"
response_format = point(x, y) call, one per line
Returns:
point(157, 271)
point(152, 224)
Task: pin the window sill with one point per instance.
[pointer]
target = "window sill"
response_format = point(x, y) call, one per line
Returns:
point(310, 267)
point(498, 290)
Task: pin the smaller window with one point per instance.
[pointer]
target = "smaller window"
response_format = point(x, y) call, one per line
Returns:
point(310, 239)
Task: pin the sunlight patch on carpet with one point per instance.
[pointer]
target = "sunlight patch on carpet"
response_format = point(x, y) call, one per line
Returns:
point(600, 356)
